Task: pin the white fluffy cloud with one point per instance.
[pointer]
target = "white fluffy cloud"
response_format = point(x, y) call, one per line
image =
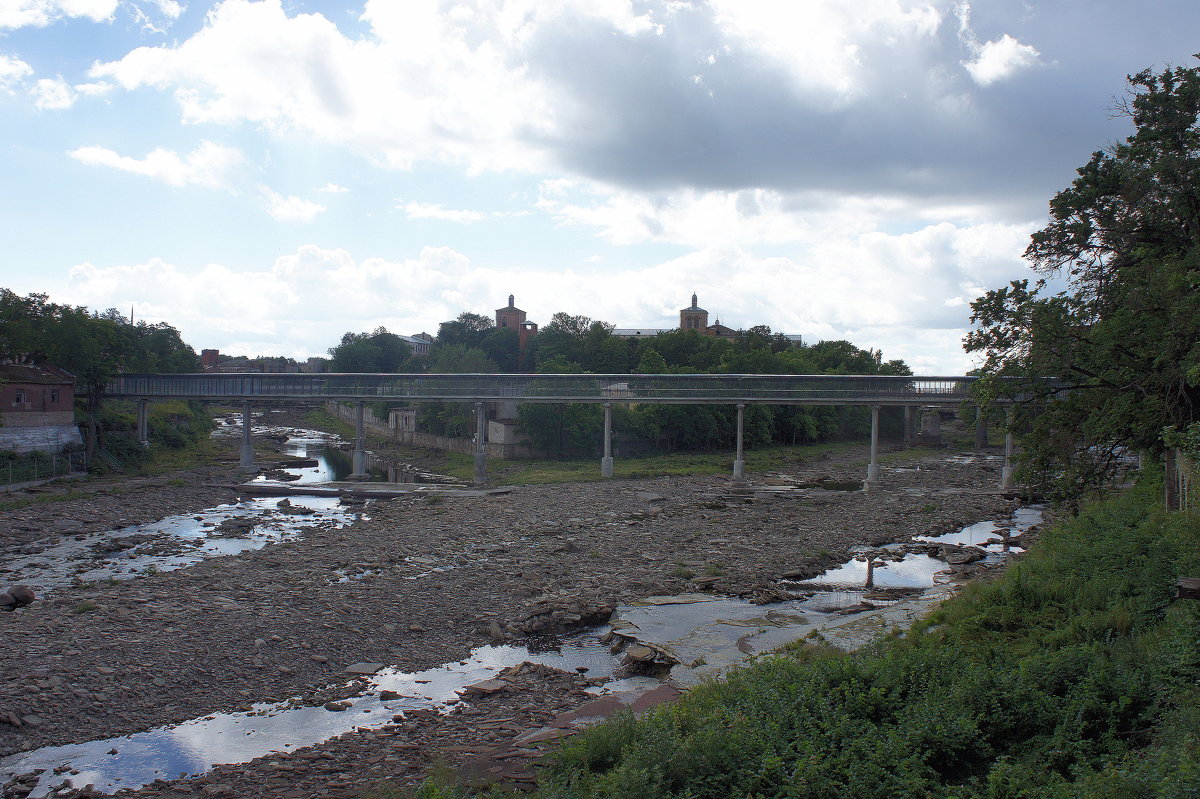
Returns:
point(289, 208)
point(39, 13)
point(904, 294)
point(210, 165)
point(12, 72)
point(1001, 58)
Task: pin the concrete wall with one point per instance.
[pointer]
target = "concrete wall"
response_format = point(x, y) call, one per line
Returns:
point(412, 438)
point(46, 438)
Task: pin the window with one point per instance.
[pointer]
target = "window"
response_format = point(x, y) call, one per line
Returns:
point(54, 395)
point(21, 398)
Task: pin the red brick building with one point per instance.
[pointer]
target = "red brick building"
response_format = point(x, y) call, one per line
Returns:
point(37, 408)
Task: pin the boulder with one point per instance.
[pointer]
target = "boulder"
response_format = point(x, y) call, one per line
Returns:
point(22, 594)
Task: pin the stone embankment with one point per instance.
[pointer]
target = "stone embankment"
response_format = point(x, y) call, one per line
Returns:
point(413, 582)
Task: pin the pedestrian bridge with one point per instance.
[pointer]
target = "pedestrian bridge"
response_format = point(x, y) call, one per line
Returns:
point(668, 389)
point(875, 391)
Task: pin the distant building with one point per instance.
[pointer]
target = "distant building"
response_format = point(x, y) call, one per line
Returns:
point(421, 343)
point(37, 408)
point(511, 317)
point(692, 317)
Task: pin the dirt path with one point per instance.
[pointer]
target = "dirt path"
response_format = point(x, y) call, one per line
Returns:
point(437, 577)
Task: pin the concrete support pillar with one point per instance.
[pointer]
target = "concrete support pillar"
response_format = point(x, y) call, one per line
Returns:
point(1006, 474)
point(606, 463)
point(480, 444)
point(908, 426)
point(739, 460)
point(143, 421)
point(980, 427)
point(873, 466)
point(358, 461)
point(931, 422)
point(247, 461)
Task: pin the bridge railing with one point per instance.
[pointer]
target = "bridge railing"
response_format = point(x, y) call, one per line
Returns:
point(672, 389)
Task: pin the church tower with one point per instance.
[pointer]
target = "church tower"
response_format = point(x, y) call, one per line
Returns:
point(511, 316)
point(693, 318)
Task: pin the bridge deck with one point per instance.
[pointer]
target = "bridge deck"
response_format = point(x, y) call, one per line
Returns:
point(552, 388)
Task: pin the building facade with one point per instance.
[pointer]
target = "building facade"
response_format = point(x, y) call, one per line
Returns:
point(37, 408)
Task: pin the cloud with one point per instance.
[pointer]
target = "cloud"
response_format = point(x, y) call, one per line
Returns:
point(289, 209)
point(39, 13)
point(724, 95)
point(210, 165)
point(53, 94)
point(12, 72)
point(904, 293)
point(333, 188)
point(1001, 58)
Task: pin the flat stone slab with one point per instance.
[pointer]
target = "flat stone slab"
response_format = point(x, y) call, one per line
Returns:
point(363, 668)
point(486, 687)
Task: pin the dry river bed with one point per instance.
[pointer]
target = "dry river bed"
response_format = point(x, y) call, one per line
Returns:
point(433, 578)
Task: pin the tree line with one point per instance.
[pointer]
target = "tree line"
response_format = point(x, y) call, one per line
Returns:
point(577, 344)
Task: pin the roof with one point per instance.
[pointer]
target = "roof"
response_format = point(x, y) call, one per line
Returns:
point(43, 375)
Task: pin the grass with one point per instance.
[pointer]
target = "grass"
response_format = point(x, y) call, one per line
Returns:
point(24, 502)
point(1072, 675)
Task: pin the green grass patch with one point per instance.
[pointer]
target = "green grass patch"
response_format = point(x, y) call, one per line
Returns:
point(679, 464)
point(320, 419)
point(24, 502)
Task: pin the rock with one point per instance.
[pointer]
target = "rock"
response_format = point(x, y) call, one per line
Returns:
point(640, 652)
point(485, 688)
point(363, 668)
point(23, 595)
point(337, 706)
point(8, 602)
point(386, 695)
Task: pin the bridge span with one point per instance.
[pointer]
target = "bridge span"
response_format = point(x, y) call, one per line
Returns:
point(700, 389)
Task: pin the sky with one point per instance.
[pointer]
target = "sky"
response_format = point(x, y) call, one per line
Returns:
point(267, 175)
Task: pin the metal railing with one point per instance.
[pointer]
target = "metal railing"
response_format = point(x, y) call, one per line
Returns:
point(31, 468)
point(671, 389)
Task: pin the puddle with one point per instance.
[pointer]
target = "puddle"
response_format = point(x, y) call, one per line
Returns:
point(912, 571)
point(988, 535)
point(170, 543)
point(193, 747)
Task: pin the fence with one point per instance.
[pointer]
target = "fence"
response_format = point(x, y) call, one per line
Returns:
point(554, 388)
point(36, 468)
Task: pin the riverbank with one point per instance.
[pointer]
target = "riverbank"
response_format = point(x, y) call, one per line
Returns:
point(1074, 674)
point(416, 582)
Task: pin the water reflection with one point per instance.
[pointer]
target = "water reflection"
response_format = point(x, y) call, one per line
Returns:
point(193, 747)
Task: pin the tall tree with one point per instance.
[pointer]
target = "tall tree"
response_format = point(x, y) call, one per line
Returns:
point(1115, 313)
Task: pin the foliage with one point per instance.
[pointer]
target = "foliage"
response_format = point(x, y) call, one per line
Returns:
point(570, 428)
point(92, 346)
point(1071, 676)
point(467, 331)
point(1115, 314)
point(377, 351)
